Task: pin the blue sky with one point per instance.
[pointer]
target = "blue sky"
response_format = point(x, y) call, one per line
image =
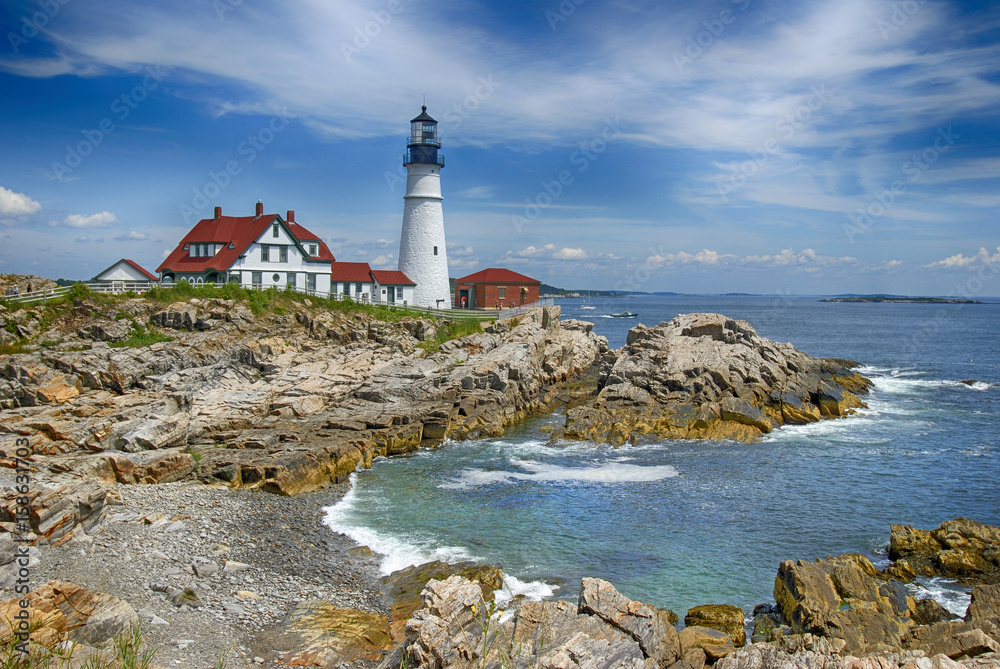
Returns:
point(747, 145)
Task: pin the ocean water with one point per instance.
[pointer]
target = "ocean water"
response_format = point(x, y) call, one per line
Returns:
point(682, 523)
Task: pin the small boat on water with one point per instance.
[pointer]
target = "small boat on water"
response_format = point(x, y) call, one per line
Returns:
point(625, 314)
point(587, 306)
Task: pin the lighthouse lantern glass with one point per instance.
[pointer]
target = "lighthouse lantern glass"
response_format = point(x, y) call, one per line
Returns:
point(423, 133)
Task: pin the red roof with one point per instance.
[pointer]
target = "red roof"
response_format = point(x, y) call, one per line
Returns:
point(496, 275)
point(351, 271)
point(150, 275)
point(236, 233)
point(392, 277)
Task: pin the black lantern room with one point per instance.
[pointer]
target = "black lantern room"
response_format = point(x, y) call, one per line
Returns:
point(424, 143)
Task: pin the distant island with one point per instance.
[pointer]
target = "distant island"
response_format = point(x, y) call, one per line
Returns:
point(901, 299)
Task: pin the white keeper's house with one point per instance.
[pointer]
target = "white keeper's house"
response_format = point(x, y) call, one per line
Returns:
point(361, 283)
point(260, 251)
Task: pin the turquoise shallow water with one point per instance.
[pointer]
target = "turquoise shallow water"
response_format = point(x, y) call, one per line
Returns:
point(680, 523)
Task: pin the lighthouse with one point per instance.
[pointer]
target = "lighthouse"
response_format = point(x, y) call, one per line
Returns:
point(422, 255)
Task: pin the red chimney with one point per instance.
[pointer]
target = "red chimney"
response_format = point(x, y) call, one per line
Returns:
point(291, 216)
point(218, 213)
point(260, 208)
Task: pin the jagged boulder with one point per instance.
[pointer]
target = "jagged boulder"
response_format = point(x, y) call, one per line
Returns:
point(959, 548)
point(709, 376)
point(844, 597)
point(62, 610)
point(454, 630)
point(712, 644)
point(151, 466)
point(177, 316)
point(57, 512)
point(985, 603)
point(649, 626)
point(955, 639)
point(723, 617)
point(404, 586)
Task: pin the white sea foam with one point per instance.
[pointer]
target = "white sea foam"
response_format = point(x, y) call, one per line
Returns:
point(397, 553)
point(907, 381)
point(610, 472)
point(535, 591)
point(945, 592)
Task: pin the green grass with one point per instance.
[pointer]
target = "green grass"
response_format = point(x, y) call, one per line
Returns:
point(13, 349)
point(448, 330)
point(141, 337)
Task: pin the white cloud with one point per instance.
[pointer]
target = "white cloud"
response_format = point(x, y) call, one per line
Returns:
point(784, 258)
point(463, 264)
point(100, 220)
point(14, 204)
point(384, 261)
point(132, 235)
point(982, 257)
point(570, 254)
point(548, 251)
point(459, 251)
point(82, 239)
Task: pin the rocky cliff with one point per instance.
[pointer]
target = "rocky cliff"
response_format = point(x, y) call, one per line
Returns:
point(285, 403)
point(709, 376)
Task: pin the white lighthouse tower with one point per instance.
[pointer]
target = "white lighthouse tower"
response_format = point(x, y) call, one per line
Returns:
point(422, 255)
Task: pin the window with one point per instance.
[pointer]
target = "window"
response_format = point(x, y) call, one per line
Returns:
point(274, 230)
point(502, 292)
point(435, 250)
point(257, 279)
point(275, 278)
point(357, 288)
point(292, 280)
point(310, 282)
point(265, 253)
point(312, 249)
point(399, 293)
point(282, 254)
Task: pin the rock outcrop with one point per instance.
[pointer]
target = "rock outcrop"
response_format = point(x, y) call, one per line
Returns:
point(63, 611)
point(456, 629)
point(961, 548)
point(285, 404)
point(723, 617)
point(846, 598)
point(709, 376)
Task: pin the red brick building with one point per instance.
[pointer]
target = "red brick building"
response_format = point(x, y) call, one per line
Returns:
point(489, 287)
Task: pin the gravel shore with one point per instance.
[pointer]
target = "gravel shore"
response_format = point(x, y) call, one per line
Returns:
point(249, 556)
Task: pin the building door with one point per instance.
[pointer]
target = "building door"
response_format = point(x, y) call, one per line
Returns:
point(390, 295)
point(465, 299)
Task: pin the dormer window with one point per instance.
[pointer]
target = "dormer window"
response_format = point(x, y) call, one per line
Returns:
point(312, 249)
point(274, 230)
